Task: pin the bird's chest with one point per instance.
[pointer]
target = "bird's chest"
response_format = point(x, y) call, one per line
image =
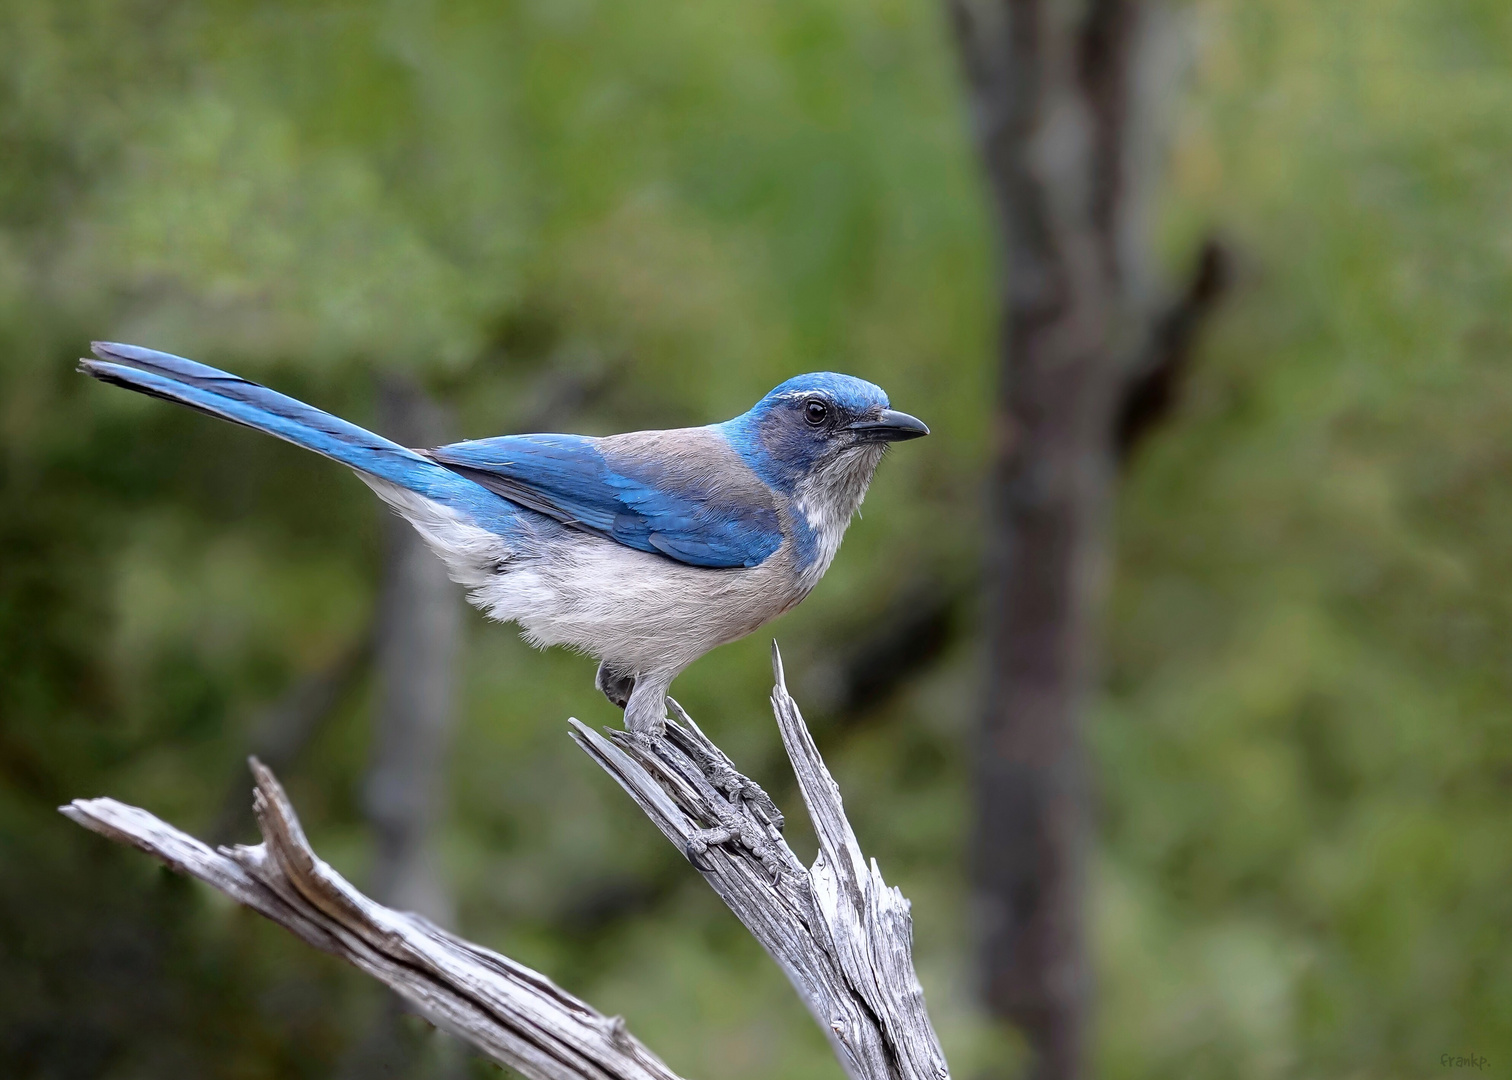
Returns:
point(816, 541)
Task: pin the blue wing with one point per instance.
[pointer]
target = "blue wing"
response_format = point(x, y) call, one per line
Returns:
point(683, 494)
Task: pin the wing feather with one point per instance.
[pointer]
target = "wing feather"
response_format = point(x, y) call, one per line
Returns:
point(683, 494)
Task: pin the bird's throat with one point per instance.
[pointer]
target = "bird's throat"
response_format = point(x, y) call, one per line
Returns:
point(829, 497)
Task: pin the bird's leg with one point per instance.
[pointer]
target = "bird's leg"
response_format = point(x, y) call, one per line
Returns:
point(614, 686)
point(646, 706)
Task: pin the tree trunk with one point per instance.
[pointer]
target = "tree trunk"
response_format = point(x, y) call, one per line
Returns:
point(418, 636)
point(1062, 107)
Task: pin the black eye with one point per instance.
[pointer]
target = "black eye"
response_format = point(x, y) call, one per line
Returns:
point(814, 411)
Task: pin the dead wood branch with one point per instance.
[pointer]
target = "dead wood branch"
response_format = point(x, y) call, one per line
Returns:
point(514, 1015)
point(839, 932)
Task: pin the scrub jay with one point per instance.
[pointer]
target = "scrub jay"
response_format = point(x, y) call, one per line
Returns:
point(644, 550)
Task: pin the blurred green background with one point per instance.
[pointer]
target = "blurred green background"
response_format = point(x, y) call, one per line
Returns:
point(1303, 744)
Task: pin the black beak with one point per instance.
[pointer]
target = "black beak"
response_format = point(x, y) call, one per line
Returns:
point(891, 426)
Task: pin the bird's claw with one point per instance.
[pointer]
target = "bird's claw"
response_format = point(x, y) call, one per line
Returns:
point(725, 794)
point(719, 770)
point(732, 826)
point(699, 842)
point(738, 788)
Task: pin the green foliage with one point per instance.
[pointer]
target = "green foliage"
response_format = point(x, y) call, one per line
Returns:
point(1303, 749)
point(1304, 752)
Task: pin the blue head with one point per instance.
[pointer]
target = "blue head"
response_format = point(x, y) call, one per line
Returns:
point(820, 431)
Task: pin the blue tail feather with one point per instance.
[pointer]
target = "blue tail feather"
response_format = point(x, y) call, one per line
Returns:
point(229, 397)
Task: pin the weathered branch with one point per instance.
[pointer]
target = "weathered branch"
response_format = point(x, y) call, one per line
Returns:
point(839, 932)
point(516, 1016)
point(843, 937)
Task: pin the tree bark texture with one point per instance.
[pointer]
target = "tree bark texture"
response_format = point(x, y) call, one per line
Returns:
point(1066, 100)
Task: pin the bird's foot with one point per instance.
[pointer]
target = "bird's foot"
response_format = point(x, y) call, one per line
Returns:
point(738, 811)
point(719, 770)
point(733, 827)
point(733, 795)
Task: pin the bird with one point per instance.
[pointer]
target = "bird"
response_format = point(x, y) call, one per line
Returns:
point(644, 550)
